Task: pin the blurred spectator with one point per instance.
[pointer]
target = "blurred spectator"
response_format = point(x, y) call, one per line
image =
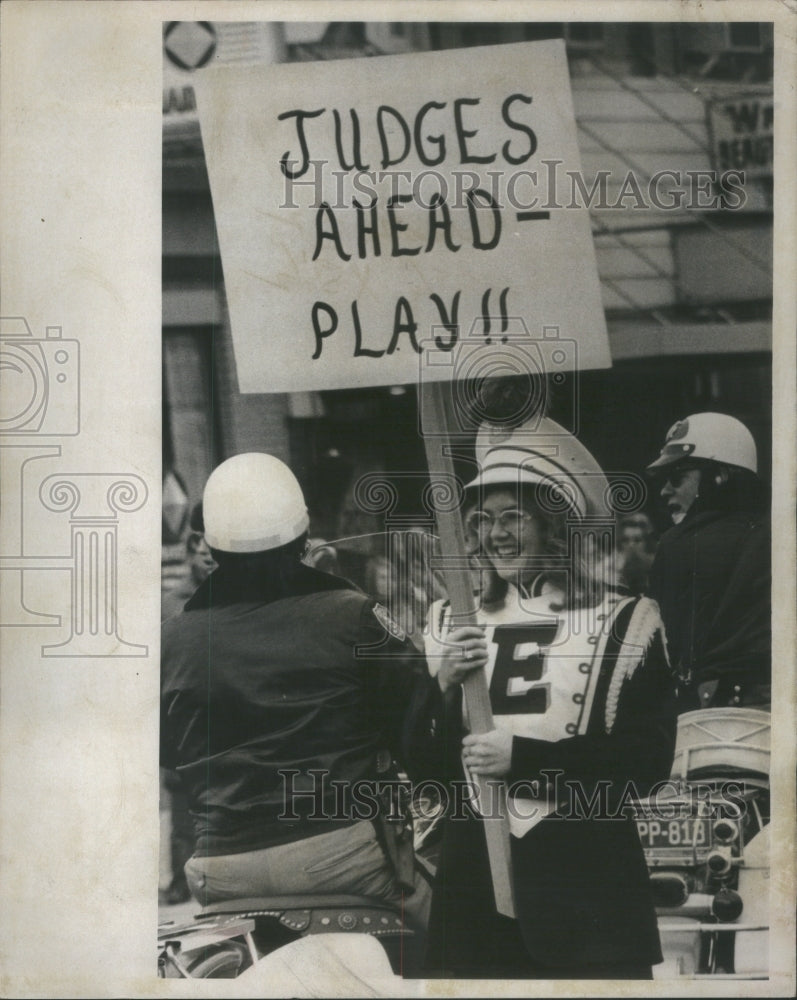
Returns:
point(636, 547)
point(321, 555)
point(198, 566)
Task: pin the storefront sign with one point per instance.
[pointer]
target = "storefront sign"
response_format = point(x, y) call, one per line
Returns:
point(741, 130)
point(381, 219)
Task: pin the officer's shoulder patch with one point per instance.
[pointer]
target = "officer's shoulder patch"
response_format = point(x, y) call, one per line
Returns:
point(388, 622)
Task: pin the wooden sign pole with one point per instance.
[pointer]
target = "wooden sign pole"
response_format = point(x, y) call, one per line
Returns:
point(437, 418)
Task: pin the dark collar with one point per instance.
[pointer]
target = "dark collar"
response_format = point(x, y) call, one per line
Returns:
point(224, 586)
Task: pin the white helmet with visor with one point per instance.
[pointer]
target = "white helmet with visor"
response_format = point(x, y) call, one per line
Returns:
point(712, 437)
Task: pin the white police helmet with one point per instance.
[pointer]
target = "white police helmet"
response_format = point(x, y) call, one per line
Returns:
point(714, 437)
point(543, 453)
point(252, 503)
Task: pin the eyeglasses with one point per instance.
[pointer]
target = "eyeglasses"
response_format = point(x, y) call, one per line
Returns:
point(479, 522)
point(677, 476)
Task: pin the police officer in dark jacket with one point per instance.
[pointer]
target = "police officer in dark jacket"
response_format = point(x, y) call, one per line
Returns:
point(712, 571)
point(283, 697)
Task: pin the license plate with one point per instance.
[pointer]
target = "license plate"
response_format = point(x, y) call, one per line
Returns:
point(688, 832)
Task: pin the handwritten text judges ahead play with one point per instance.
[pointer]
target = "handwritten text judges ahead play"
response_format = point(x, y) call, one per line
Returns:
point(377, 217)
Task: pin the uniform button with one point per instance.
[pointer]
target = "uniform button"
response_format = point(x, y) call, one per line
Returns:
point(736, 688)
point(584, 668)
point(706, 696)
point(736, 699)
point(325, 920)
point(571, 728)
point(578, 699)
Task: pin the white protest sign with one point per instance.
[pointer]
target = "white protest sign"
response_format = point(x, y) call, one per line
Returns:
point(371, 212)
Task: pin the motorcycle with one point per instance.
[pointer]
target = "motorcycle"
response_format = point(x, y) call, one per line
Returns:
point(226, 939)
point(706, 843)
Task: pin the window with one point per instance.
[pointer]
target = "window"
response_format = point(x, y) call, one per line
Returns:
point(189, 432)
point(584, 35)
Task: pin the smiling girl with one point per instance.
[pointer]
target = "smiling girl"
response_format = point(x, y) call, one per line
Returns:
point(583, 704)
